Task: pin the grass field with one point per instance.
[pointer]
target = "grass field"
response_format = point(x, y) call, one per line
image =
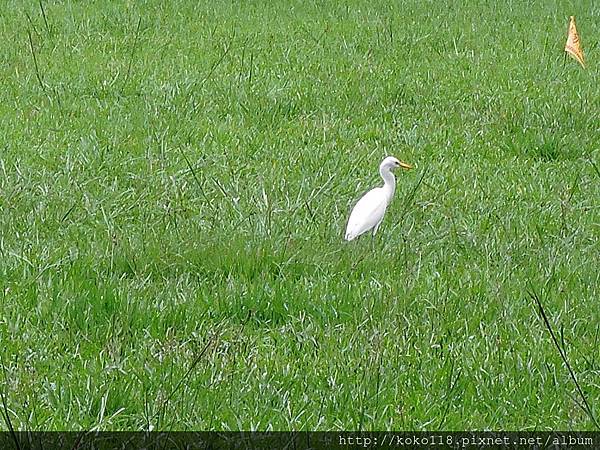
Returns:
point(175, 178)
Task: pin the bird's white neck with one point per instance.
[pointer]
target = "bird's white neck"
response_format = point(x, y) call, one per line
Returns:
point(389, 182)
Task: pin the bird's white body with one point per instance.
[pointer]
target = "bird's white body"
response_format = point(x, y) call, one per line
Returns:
point(370, 209)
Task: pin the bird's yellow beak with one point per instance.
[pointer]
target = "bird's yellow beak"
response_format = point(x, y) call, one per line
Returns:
point(405, 166)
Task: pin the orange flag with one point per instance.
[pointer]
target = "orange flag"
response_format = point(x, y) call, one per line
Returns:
point(573, 47)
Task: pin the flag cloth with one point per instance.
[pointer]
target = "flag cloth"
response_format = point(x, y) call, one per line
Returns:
point(573, 47)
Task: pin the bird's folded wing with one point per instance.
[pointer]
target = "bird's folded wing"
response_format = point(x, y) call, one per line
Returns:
point(367, 213)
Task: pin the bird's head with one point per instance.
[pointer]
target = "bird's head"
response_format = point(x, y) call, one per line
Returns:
point(391, 163)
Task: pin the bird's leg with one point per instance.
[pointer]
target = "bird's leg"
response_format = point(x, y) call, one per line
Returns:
point(373, 235)
point(376, 228)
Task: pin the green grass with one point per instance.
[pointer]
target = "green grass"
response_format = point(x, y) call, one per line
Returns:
point(173, 199)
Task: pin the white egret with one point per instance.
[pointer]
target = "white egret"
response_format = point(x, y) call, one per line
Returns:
point(368, 212)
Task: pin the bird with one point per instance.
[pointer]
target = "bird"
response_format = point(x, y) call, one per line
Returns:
point(368, 212)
